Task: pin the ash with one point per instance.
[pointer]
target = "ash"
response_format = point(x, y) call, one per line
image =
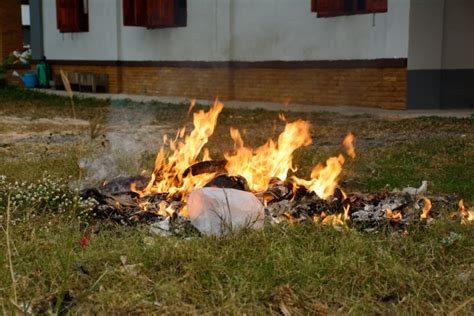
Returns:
point(284, 203)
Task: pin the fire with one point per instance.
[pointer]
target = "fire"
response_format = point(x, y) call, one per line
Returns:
point(271, 160)
point(185, 149)
point(206, 156)
point(334, 220)
point(165, 209)
point(192, 104)
point(324, 178)
point(393, 216)
point(282, 117)
point(346, 212)
point(349, 145)
point(426, 209)
point(258, 166)
point(467, 216)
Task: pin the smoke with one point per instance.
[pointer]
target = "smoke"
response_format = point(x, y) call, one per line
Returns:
point(131, 132)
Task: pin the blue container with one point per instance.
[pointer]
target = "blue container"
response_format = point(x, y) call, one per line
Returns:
point(30, 80)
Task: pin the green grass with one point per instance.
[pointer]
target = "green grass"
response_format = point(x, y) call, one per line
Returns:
point(303, 267)
point(306, 269)
point(447, 163)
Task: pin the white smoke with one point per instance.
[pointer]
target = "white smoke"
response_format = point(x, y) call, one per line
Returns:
point(130, 133)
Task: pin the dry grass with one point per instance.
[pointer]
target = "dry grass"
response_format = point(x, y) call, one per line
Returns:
point(67, 86)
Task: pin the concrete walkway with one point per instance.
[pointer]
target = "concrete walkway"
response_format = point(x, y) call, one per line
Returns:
point(270, 106)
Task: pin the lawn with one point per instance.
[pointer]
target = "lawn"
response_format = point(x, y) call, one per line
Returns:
point(284, 269)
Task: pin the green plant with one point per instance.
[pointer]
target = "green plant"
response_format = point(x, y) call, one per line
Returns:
point(46, 194)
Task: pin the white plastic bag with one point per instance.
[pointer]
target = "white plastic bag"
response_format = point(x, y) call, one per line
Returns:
point(217, 211)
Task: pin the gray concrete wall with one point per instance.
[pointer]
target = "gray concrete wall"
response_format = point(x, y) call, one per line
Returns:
point(441, 54)
point(441, 34)
point(458, 38)
point(36, 29)
point(425, 44)
point(240, 30)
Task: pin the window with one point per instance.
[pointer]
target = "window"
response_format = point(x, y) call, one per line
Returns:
point(328, 8)
point(72, 16)
point(155, 13)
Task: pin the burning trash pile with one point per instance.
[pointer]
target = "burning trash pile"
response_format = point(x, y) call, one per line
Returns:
point(249, 187)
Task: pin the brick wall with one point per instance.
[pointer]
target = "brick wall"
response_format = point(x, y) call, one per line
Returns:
point(199, 83)
point(11, 36)
point(113, 73)
point(371, 87)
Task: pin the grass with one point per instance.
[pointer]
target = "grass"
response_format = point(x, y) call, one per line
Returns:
point(302, 269)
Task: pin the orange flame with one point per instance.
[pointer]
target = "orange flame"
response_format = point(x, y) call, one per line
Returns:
point(258, 166)
point(192, 104)
point(393, 216)
point(324, 178)
point(426, 209)
point(185, 149)
point(282, 117)
point(206, 156)
point(334, 220)
point(165, 209)
point(467, 216)
point(346, 216)
point(349, 145)
point(271, 160)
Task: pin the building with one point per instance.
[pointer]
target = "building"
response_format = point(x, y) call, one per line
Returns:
point(379, 53)
point(25, 21)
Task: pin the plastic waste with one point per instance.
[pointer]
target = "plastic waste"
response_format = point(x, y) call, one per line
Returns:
point(417, 191)
point(217, 211)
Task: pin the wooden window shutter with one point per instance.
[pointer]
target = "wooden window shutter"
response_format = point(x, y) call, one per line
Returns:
point(327, 8)
point(129, 13)
point(161, 13)
point(135, 13)
point(62, 15)
point(72, 16)
point(67, 17)
point(155, 13)
point(374, 6)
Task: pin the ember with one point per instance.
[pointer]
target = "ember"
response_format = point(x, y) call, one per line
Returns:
point(266, 173)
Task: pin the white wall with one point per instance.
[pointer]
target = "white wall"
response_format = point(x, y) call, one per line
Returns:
point(204, 38)
point(100, 43)
point(25, 14)
point(240, 30)
point(288, 30)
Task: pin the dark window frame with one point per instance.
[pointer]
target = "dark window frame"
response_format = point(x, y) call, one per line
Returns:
point(333, 8)
point(72, 16)
point(154, 14)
